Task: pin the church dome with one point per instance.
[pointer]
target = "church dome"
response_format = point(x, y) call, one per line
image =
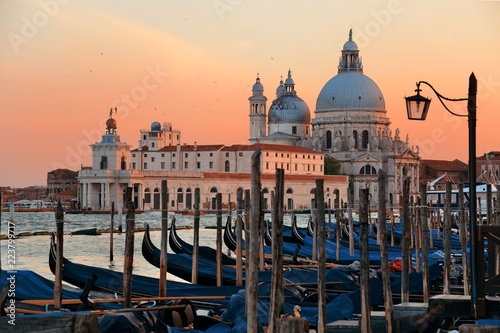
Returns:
point(350, 91)
point(155, 127)
point(289, 109)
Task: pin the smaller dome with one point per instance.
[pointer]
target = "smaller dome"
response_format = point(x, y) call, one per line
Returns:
point(155, 127)
point(280, 90)
point(111, 123)
point(350, 46)
point(257, 85)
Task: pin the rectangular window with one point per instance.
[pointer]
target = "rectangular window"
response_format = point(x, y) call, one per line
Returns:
point(186, 155)
point(186, 165)
point(199, 154)
point(282, 155)
point(295, 167)
point(173, 155)
point(198, 165)
point(152, 144)
point(211, 154)
point(240, 154)
point(133, 165)
point(173, 165)
point(294, 129)
point(162, 165)
point(152, 159)
point(314, 168)
point(144, 137)
point(145, 165)
point(162, 155)
point(267, 165)
point(227, 154)
point(211, 165)
point(133, 155)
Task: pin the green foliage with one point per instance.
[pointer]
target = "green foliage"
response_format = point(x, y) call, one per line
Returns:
point(332, 166)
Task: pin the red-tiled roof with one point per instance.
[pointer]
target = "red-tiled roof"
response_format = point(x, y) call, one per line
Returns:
point(441, 165)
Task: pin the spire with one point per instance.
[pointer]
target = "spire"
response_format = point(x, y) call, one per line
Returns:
point(350, 60)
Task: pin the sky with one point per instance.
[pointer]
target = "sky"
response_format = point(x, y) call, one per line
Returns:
point(65, 63)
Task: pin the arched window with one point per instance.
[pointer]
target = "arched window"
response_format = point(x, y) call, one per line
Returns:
point(227, 166)
point(180, 197)
point(364, 139)
point(289, 190)
point(147, 195)
point(189, 198)
point(156, 198)
point(368, 170)
point(328, 139)
point(213, 190)
point(355, 136)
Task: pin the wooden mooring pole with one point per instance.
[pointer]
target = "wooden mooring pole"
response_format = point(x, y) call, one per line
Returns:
point(129, 251)
point(350, 205)
point(447, 240)
point(321, 233)
point(196, 235)
point(111, 227)
point(60, 255)
point(425, 242)
point(277, 295)
point(162, 292)
point(338, 223)
point(218, 199)
point(463, 239)
point(239, 229)
point(364, 212)
point(252, 280)
point(405, 273)
point(384, 262)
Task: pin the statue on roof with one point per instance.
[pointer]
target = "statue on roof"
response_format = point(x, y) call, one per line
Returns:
point(350, 34)
point(111, 111)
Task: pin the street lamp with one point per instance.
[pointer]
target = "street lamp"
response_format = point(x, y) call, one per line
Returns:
point(417, 107)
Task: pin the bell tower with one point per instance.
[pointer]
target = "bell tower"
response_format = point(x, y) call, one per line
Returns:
point(257, 112)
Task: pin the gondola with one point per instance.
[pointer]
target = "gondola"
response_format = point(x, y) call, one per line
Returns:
point(292, 235)
point(183, 263)
point(178, 245)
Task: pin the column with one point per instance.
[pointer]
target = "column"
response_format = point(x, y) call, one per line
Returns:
point(102, 196)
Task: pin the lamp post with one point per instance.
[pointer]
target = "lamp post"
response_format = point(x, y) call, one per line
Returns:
point(417, 107)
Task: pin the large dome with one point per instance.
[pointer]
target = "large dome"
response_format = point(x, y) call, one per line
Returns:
point(350, 91)
point(289, 109)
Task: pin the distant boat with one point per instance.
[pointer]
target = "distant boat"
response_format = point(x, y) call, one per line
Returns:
point(90, 232)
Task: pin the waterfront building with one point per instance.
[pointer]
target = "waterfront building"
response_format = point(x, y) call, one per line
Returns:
point(212, 169)
point(61, 180)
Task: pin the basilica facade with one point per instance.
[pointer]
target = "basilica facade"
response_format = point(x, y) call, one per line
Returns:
point(350, 125)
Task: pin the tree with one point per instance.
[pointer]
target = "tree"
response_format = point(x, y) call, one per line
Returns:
point(332, 166)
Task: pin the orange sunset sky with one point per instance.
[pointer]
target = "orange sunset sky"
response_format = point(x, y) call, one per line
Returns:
point(64, 63)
